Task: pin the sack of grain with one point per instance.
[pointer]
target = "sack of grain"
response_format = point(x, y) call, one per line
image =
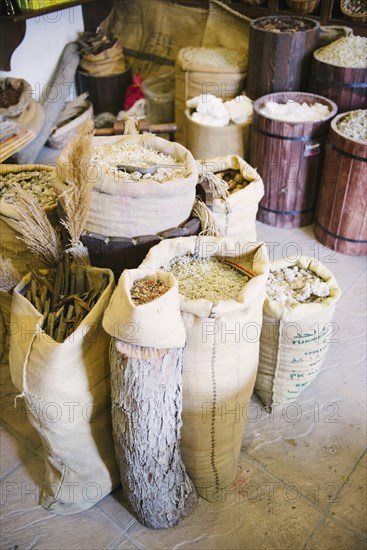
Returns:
point(221, 306)
point(131, 204)
point(106, 63)
point(35, 178)
point(217, 71)
point(297, 328)
point(146, 368)
point(235, 213)
point(66, 388)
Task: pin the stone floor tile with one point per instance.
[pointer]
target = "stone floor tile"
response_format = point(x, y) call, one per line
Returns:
point(332, 536)
point(11, 452)
point(351, 504)
point(256, 512)
point(25, 524)
point(114, 506)
point(126, 544)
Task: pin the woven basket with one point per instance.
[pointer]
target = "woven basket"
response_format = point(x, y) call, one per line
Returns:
point(61, 136)
point(303, 6)
point(354, 16)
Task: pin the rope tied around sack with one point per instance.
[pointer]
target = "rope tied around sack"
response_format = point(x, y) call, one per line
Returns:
point(209, 225)
point(218, 187)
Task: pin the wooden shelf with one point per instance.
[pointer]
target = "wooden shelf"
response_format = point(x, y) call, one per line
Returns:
point(13, 27)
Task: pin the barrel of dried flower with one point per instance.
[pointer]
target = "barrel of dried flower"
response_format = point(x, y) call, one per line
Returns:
point(294, 338)
point(11, 245)
point(125, 207)
point(289, 156)
point(217, 71)
point(146, 368)
point(346, 85)
point(341, 217)
point(66, 388)
point(236, 212)
point(220, 360)
point(282, 46)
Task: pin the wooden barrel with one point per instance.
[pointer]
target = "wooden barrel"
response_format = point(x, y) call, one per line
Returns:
point(107, 93)
point(289, 158)
point(344, 85)
point(341, 218)
point(280, 61)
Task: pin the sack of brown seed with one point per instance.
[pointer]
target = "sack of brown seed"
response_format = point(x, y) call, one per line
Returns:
point(63, 374)
point(222, 288)
point(297, 328)
point(36, 179)
point(236, 195)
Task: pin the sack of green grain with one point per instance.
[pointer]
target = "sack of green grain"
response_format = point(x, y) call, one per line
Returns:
point(234, 208)
point(297, 328)
point(217, 71)
point(128, 204)
point(146, 369)
point(222, 289)
point(37, 179)
point(65, 383)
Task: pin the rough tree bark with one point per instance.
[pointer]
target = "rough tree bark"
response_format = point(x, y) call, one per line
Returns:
point(146, 415)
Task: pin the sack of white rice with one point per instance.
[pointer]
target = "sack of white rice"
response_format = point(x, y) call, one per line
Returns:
point(222, 288)
point(237, 190)
point(127, 200)
point(297, 328)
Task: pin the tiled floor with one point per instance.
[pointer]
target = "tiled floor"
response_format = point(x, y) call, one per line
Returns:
point(303, 481)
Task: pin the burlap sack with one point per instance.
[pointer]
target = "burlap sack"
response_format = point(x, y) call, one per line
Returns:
point(195, 78)
point(220, 361)
point(66, 388)
point(206, 142)
point(24, 100)
point(236, 215)
point(11, 246)
point(107, 63)
point(294, 340)
point(150, 34)
point(129, 208)
point(226, 27)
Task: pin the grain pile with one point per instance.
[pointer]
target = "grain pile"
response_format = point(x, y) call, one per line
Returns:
point(294, 285)
point(36, 182)
point(145, 291)
point(109, 156)
point(206, 278)
point(354, 125)
point(349, 51)
point(234, 180)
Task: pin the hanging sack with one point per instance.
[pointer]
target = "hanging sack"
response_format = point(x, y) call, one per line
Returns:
point(294, 339)
point(12, 246)
point(219, 362)
point(66, 388)
point(146, 370)
point(127, 208)
point(217, 71)
point(235, 213)
point(106, 63)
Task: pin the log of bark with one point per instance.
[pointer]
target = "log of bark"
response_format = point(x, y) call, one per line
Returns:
point(146, 418)
point(57, 93)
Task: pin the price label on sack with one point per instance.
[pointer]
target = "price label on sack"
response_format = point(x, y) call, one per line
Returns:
point(312, 149)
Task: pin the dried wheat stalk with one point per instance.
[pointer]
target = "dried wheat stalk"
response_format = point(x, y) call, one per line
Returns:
point(36, 229)
point(77, 199)
point(9, 275)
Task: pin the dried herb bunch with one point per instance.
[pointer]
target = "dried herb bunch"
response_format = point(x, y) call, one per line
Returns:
point(77, 199)
point(9, 276)
point(63, 296)
point(35, 228)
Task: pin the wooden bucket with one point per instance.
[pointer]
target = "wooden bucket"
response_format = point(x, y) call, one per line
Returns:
point(284, 57)
point(107, 93)
point(289, 158)
point(341, 218)
point(344, 85)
